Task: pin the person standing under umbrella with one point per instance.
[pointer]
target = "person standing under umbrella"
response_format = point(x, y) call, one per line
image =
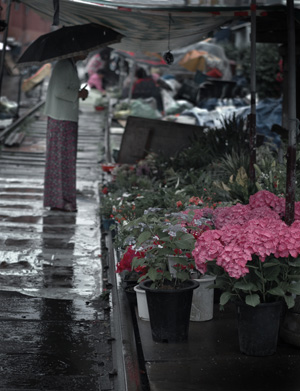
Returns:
point(62, 109)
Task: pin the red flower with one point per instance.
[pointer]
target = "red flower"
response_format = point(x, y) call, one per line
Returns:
point(105, 190)
point(126, 261)
point(142, 270)
point(177, 251)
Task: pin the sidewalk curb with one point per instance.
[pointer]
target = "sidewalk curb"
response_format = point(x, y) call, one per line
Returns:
point(127, 347)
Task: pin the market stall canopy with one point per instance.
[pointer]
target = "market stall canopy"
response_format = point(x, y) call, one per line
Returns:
point(148, 26)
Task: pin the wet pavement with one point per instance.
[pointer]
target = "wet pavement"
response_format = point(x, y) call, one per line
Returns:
point(55, 328)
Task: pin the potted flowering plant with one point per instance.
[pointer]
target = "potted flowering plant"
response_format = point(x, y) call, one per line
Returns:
point(256, 257)
point(161, 236)
point(169, 297)
point(255, 254)
point(256, 262)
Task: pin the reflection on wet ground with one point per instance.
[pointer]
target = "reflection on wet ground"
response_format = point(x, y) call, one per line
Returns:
point(50, 254)
point(60, 276)
point(54, 326)
point(49, 344)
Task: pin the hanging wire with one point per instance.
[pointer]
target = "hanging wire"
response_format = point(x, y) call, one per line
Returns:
point(168, 57)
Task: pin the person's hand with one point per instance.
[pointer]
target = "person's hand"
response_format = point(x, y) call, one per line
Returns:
point(83, 93)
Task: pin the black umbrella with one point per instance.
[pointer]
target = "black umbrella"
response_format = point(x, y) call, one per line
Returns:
point(68, 42)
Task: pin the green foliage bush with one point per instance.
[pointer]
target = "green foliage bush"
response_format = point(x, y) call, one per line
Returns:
point(267, 67)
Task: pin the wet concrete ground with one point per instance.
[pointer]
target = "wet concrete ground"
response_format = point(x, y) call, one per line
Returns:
point(55, 331)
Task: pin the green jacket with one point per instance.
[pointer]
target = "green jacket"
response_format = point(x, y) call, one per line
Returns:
point(62, 101)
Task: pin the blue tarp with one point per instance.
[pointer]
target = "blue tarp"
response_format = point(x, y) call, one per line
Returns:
point(268, 113)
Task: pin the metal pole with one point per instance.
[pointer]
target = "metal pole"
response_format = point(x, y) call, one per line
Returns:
point(4, 44)
point(132, 75)
point(252, 115)
point(292, 121)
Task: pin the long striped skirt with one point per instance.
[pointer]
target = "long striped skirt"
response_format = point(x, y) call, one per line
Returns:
point(60, 169)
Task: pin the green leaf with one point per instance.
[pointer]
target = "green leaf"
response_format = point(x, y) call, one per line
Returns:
point(271, 273)
point(295, 263)
point(225, 297)
point(185, 242)
point(182, 275)
point(259, 274)
point(277, 291)
point(245, 286)
point(143, 237)
point(252, 300)
point(180, 260)
point(290, 301)
point(153, 274)
point(274, 262)
point(294, 288)
point(137, 262)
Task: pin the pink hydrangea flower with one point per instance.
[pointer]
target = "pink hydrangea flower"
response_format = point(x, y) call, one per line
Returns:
point(263, 198)
point(234, 245)
point(230, 215)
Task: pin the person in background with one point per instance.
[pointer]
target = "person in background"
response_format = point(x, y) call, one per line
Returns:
point(96, 80)
point(145, 87)
point(62, 109)
point(98, 61)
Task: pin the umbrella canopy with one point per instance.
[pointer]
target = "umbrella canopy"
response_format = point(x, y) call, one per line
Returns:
point(68, 42)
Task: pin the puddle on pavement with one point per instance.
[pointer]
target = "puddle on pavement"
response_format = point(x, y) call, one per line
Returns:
point(59, 259)
point(55, 344)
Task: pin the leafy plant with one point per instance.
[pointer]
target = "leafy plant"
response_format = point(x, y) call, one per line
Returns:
point(213, 144)
point(160, 237)
point(267, 66)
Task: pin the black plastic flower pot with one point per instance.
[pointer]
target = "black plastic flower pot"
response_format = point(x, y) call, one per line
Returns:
point(131, 295)
point(169, 311)
point(258, 328)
